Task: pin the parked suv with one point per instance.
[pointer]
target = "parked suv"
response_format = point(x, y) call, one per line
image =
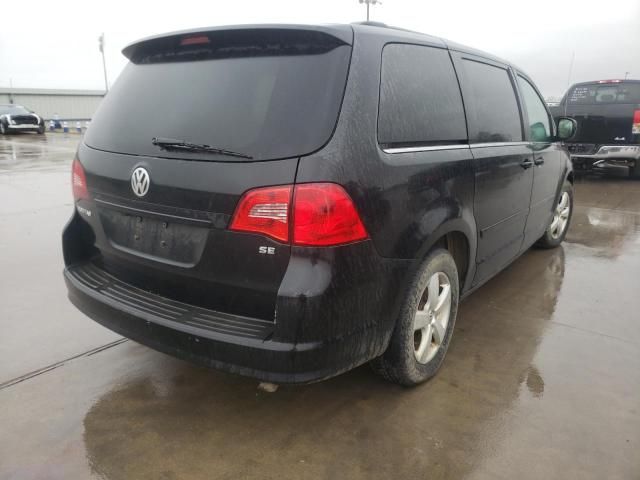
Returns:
point(290, 202)
point(607, 113)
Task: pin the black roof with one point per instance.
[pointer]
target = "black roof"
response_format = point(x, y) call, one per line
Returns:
point(411, 35)
point(612, 81)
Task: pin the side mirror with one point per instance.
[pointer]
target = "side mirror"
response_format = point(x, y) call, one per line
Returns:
point(567, 128)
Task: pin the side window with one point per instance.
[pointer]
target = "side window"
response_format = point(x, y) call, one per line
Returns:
point(539, 124)
point(420, 101)
point(492, 108)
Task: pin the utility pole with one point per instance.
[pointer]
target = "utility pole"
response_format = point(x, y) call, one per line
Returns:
point(104, 63)
point(626, 74)
point(369, 3)
point(573, 57)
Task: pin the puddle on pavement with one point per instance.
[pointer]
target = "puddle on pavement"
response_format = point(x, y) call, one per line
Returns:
point(18, 152)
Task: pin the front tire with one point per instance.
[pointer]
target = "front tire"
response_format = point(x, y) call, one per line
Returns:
point(557, 229)
point(423, 330)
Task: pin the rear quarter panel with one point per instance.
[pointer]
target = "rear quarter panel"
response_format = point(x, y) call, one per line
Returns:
point(407, 201)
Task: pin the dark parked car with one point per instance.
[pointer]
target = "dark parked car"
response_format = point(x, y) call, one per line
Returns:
point(306, 199)
point(608, 132)
point(16, 118)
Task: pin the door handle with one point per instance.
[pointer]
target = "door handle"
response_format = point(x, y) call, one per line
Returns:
point(539, 161)
point(527, 164)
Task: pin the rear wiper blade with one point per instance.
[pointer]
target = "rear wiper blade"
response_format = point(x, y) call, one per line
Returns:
point(173, 144)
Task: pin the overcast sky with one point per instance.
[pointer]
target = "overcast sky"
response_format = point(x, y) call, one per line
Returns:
point(53, 44)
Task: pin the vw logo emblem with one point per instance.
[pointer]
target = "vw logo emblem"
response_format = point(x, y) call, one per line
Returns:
point(140, 181)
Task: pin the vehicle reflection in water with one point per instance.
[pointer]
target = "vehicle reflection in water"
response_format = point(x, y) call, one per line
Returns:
point(20, 151)
point(178, 421)
point(607, 231)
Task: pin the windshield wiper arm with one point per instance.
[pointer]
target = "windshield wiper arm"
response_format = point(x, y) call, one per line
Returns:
point(173, 144)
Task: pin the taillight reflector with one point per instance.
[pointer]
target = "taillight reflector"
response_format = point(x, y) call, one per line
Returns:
point(78, 181)
point(322, 214)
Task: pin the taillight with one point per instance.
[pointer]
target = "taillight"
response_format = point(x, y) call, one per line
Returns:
point(264, 211)
point(78, 181)
point(635, 128)
point(322, 214)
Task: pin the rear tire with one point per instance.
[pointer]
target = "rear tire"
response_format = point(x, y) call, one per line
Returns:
point(557, 229)
point(635, 171)
point(423, 331)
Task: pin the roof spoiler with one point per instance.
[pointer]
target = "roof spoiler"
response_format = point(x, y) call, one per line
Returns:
point(239, 36)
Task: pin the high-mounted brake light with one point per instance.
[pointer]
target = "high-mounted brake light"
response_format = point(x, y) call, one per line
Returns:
point(78, 181)
point(322, 215)
point(195, 40)
point(609, 81)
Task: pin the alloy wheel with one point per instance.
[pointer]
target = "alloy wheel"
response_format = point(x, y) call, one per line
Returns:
point(432, 317)
point(560, 216)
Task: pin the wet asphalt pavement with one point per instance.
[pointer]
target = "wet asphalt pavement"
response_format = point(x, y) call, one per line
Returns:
point(542, 379)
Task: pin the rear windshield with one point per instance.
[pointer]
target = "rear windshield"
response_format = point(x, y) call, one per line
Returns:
point(266, 98)
point(605, 93)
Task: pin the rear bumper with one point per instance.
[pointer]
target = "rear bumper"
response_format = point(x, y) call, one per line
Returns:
point(231, 343)
point(611, 152)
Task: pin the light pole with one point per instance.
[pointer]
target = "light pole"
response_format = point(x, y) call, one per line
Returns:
point(626, 74)
point(369, 2)
point(104, 63)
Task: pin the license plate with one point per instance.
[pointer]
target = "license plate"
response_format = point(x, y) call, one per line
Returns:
point(149, 236)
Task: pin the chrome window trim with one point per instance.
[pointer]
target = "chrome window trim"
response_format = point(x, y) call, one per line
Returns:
point(436, 148)
point(432, 148)
point(498, 144)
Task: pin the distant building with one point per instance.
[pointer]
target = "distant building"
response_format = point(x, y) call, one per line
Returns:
point(65, 104)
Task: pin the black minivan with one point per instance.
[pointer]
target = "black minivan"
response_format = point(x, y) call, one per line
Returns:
point(290, 202)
